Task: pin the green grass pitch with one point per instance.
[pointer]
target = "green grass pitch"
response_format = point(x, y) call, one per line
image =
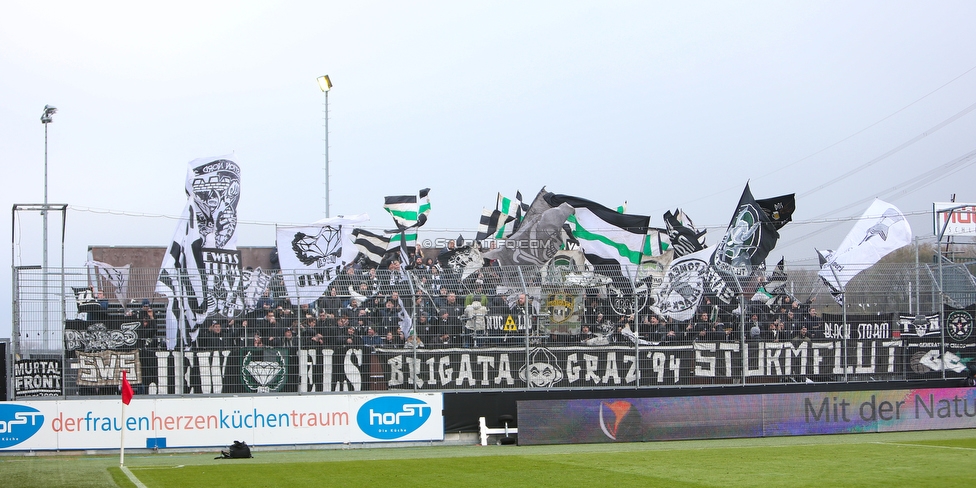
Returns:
point(928, 458)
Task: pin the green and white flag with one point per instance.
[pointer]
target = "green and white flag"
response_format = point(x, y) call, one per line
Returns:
point(409, 212)
point(514, 212)
point(609, 237)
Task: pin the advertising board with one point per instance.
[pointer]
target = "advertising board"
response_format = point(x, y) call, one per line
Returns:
point(734, 416)
point(203, 422)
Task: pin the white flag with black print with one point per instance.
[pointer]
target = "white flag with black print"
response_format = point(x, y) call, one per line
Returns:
point(116, 276)
point(312, 256)
point(880, 230)
point(201, 270)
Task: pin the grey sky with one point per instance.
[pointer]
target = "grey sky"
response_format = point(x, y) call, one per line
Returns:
point(661, 104)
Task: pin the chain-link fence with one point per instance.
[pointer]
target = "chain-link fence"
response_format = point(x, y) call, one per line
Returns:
point(485, 329)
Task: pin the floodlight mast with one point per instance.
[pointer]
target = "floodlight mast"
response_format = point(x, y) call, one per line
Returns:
point(46, 118)
point(325, 84)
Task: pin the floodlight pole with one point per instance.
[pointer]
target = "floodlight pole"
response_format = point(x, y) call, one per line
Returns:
point(325, 84)
point(46, 118)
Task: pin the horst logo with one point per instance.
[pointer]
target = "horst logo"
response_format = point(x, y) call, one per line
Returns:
point(392, 417)
point(18, 423)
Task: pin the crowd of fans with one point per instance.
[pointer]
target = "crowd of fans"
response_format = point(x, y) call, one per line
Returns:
point(368, 306)
point(430, 306)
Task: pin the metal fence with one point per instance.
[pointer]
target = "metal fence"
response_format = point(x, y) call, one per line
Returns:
point(494, 328)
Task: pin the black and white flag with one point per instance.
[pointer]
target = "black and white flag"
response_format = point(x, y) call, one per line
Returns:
point(689, 279)
point(880, 230)
point(514, 211)
point(256, 281)
point(824, 257)
point(779, 209)
point(492, 224)
point(371, 246)
point(749, 239)
point(463, 261)
point(685, 238)
point(538, 238)
point(201, 270)
point(314, 255)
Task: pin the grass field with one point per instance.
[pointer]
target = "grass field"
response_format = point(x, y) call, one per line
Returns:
point(929, 458)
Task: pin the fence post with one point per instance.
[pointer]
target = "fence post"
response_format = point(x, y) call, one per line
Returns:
point(528, 322)
point(413, 327)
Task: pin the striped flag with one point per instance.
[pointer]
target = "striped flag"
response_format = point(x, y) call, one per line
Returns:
point(403, 209)
point(423, 208)
point(605, 236)
point(777, 280)
point(492, 224)
point(371, 246)
point(514, 212)
point(510, 207)
point(409, 212)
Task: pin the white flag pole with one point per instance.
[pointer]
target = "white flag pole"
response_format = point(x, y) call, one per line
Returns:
point(122, 439)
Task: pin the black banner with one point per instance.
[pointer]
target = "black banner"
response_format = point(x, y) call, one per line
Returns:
point(37, 378)
point(265, 370)
point(927, 356)
point(610, 366)
point(859, 326)
point(864, 348)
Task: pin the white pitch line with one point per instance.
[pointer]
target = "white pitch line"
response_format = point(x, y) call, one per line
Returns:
point(925, 445)
point(132, 478)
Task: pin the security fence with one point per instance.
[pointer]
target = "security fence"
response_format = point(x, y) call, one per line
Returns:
point(487, 328)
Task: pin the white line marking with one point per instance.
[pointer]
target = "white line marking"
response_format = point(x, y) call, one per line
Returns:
point(925, 445)
point(132, 478)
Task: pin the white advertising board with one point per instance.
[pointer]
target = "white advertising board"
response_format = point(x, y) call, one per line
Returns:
point(212, 422)
point(962, 222)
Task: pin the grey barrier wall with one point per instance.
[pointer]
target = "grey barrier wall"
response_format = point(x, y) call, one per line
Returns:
point(494, 329)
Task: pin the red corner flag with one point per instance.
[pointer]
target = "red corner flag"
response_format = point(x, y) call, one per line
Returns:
point(126, 389)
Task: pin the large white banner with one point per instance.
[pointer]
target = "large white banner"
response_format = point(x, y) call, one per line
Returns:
point(314, 255)
point(216, 422)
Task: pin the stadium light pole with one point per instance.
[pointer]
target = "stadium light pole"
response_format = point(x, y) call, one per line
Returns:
point(46, 118)
point(325, 84)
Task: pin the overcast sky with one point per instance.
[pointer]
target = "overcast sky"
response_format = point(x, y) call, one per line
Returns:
point(660, 104)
